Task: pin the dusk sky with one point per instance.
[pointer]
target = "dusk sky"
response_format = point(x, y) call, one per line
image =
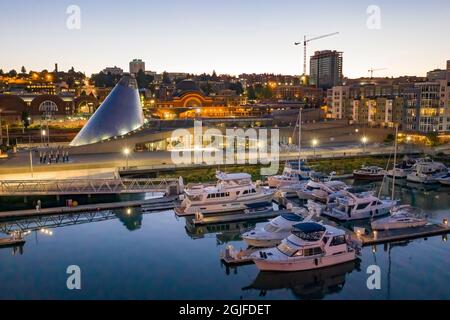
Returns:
point(232, 36)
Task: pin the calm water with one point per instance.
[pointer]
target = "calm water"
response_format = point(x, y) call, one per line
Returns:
point(130, 255)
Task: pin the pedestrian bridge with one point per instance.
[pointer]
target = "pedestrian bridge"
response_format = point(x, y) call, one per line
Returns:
point(88, 186)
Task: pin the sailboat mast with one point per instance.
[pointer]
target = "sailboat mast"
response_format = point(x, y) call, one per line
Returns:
point(395, 160)
point(299, 138)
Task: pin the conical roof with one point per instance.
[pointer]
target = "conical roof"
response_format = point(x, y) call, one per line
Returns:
point(119, 114)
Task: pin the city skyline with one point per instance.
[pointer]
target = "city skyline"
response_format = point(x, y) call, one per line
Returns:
point(202, 36)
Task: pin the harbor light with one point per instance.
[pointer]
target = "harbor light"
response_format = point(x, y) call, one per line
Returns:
point(126, 152)
point(128, 211)
point(44, 133)
point(315, 142)
point(445, 222)
point(364, 140)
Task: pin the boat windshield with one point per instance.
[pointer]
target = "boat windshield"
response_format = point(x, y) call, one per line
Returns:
point(270, 228)
point(308, 236)
point(286, 249)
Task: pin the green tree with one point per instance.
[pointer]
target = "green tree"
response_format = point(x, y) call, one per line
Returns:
point(12, 73)
point(26, 119)
point(23, 70)
point(165, 78)
point(251, 94)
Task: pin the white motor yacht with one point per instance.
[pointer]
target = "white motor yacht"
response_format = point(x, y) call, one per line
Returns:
point(320, 190)
point(357, 206)
point(293, 173)
point(232, 192)
point(401, 217)
point(275, 230)
point(309, 246)
point(427, 172)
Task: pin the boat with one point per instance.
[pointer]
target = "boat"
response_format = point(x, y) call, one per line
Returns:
point(401, 217)
point(293, 173)
point(445, 181)
point(310, 246)
point(357, 206)
point(371, 173)
point(427, 172)
point(319, 189)
point(232, 192)
point(402, 170)
point(275, 230)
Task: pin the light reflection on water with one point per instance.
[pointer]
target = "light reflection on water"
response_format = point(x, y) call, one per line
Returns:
point(160, 256)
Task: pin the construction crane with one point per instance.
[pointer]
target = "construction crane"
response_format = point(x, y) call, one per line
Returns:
point(372, 70)
point(305, 44)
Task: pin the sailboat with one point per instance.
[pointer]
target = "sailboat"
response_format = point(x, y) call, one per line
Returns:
point(295, 173)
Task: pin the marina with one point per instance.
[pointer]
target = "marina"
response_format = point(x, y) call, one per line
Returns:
point(141, 229)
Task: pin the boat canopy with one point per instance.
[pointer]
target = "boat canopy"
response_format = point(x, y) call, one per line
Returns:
point(309, 227)
point(292, 217)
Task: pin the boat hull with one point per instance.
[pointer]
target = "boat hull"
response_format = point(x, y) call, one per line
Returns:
point(368, 177)
point(263, 243)
point(223, 207)
point(291, 265)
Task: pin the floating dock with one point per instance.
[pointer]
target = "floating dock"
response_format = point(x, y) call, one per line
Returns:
point(9, 242)
point(165, 203)
point(233, 257)
point(379, 237)
point(229, 218)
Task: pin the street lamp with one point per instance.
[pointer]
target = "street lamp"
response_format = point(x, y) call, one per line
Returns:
point(126, 152)
point(43, 134)
point(364, 141)
point(315, 142)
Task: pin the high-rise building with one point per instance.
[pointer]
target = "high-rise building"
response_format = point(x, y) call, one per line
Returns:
point(136, 65)
point(326, 69)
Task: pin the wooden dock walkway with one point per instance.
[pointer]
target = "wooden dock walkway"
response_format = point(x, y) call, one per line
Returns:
point(379, 237)
point(229, 218)
point(165, 203)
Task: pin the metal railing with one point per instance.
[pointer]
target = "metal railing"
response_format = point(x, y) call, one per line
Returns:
point(84, 186)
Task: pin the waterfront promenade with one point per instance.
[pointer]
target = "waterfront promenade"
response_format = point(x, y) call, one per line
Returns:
point(17, 167)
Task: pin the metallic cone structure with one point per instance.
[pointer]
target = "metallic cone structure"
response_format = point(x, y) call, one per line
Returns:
point(119, 114)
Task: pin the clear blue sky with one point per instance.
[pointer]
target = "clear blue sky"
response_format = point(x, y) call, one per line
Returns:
point(232, 36)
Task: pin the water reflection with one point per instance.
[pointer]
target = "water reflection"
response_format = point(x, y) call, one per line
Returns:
point(312, 284)
point(225, 233)
point(131, 218)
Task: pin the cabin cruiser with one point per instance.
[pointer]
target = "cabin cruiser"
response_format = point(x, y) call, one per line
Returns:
point(356, 206)
point(401, 217)
point(427, 172)
point(293, 173)
point(402, 170)
point(371, 173)
point(310, 246)
point(275, 230)
point(320, 190)
point(232, 192)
